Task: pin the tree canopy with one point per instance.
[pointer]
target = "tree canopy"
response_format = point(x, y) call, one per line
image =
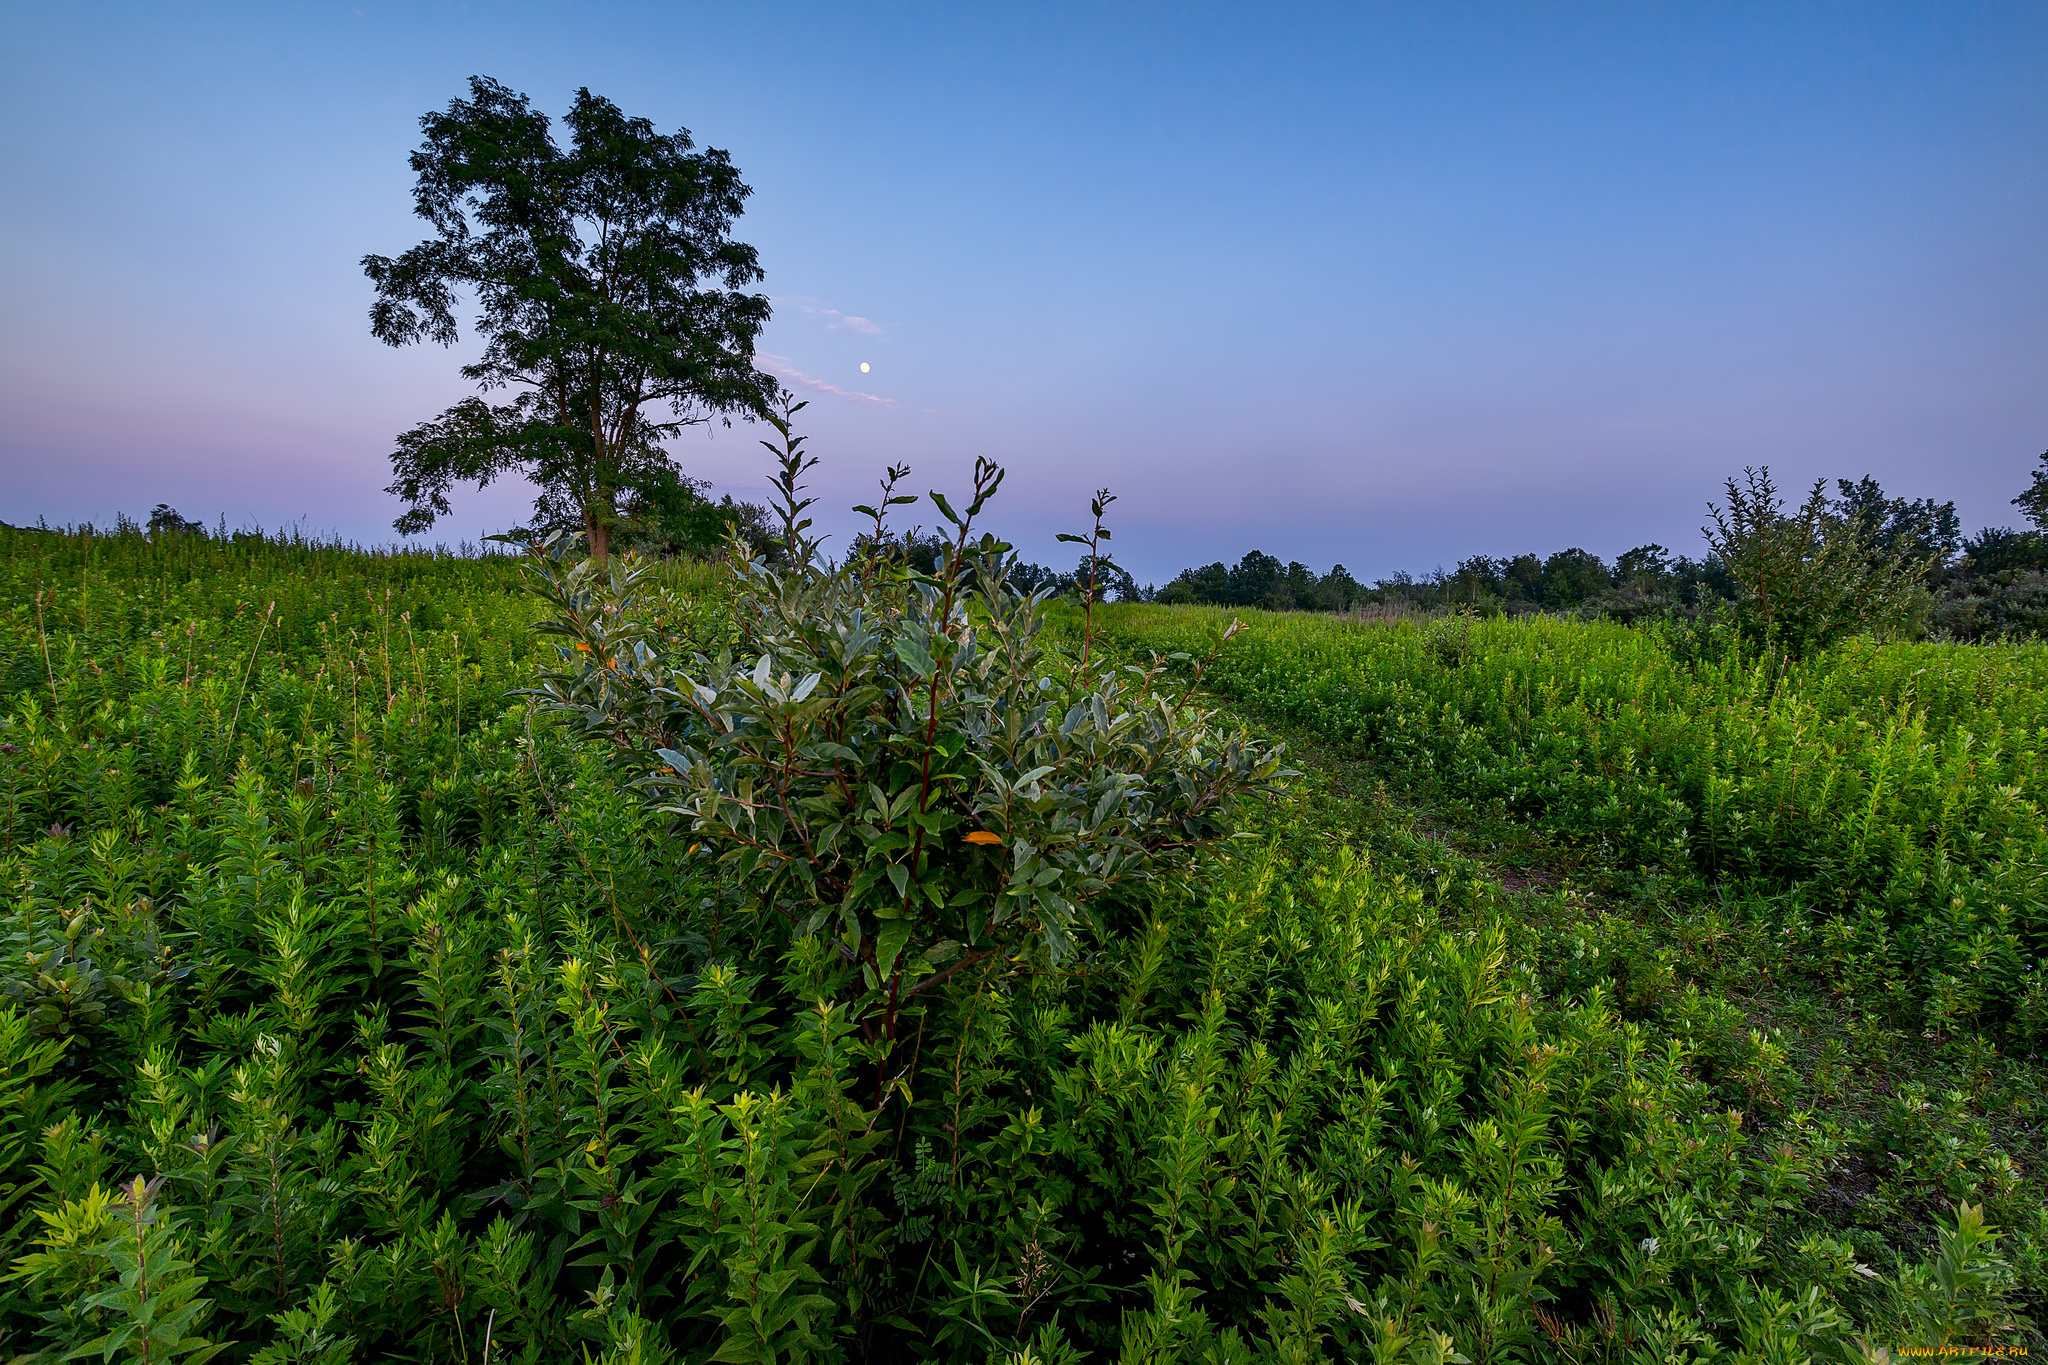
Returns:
point(2034, 502)
point(610, 296)
point(1814, 575)
point(1916, 528)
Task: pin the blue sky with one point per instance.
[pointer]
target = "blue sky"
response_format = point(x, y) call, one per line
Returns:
point(1386, 285)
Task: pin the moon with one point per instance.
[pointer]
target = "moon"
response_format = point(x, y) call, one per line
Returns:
point(863, 367)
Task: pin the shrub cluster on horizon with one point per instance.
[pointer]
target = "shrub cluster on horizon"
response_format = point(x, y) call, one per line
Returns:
point(1993, 584)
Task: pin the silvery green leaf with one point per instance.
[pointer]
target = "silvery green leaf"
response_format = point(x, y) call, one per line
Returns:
point(915, 656)
point(889, 941)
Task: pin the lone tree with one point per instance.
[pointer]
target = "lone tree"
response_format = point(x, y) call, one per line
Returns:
point(610, 295)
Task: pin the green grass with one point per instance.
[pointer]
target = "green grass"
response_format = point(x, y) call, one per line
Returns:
point(433, 1033)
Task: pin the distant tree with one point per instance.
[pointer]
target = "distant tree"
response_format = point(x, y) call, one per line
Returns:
point(1644, 585)
point(1999, 588)
point(1522, 579)
point(1809, 578)
point(1208, 584)
point(1258, 580)
point(1298, 583)
point(2000, 549)
point(1113, 582)
point(1572, 576)
point(1919, 529)
point(165, 521)
point(1479, 580)
point(1338, 590)
point(2034, 502)
point(2000, 585)
point(1703, 581)
point(925, 551)
point(1643, 562)
point(1031, 579)
point(611, 300)
point(668, 514)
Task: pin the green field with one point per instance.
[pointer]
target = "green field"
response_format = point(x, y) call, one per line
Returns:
point(1881, 803)
point(1588, 998)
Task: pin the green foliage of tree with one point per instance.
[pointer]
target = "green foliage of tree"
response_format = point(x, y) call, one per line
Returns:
point(1959, 1297)
point(1814, 576)
point(165, 521)
point(1573, 576)
point(1259, 580)
point(1643, 562)
point(611, 301)
point(669, 516)
point(1918, 530)
point(2033, 502)
point(1999, 587)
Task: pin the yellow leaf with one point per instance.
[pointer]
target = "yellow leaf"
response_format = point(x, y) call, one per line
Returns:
point(982, 836)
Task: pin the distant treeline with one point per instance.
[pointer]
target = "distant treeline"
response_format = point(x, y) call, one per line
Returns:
point(1567, 580)
point(1994, 583)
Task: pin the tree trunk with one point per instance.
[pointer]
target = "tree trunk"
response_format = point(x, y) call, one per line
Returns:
point(599, 533)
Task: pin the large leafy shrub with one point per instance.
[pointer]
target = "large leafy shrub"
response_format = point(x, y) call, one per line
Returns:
point(894, 758)
point(1812, 577)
